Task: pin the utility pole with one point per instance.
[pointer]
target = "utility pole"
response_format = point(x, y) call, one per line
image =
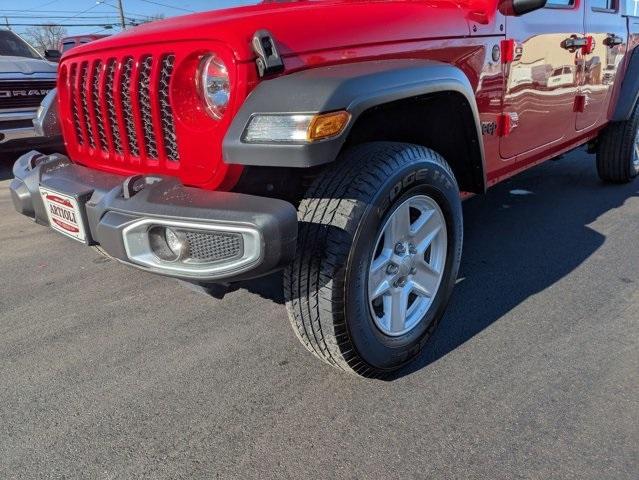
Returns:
point(7, 22)
point(121, 14)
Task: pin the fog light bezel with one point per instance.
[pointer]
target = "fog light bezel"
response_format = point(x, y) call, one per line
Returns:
point(139, 251)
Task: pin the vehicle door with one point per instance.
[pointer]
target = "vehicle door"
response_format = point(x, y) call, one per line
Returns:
point(609, 33)
point(541, 80)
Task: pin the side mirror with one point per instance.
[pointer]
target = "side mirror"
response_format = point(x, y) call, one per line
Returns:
point(516, 8)
point(52, 55)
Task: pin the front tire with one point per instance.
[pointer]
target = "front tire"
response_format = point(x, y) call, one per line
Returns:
point(351, 277)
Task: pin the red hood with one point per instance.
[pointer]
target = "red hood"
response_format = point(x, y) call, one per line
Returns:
point(302, 27)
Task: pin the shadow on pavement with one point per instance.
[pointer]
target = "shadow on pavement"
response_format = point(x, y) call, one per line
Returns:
point(516, 246)
point(6, 164)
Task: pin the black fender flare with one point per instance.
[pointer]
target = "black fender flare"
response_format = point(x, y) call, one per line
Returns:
point(355, 87)
point(629, 92)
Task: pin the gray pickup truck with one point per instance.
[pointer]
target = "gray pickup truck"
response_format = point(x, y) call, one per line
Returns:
point(25, 80)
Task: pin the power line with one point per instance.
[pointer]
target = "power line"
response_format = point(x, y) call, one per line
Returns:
point(111, 25)
point(104, 2)
point(11, 11)
point(46, 17)
point(44, 5)
point(168, 6)
point(83, 11)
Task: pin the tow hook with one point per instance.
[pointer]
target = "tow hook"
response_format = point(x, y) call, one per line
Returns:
point(136, 183)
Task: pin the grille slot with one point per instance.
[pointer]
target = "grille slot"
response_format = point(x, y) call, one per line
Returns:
point(110, 101)
point(84, 87)
point(214, 246)
point(74, 105)
point(168, 125)
point(97, 69)
point(129, 122)
point(144, 98)
point(122, 107)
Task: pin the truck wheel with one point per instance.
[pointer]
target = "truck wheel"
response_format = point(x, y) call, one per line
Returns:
point(618, 152)
point(379, 248)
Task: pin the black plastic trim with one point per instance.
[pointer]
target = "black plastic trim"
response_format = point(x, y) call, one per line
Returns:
point(629, 94)
point(353, 87)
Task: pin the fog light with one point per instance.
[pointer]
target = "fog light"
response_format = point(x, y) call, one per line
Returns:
point(168, 244)
point(175, 243)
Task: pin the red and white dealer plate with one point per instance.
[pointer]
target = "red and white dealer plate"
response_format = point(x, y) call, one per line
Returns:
point(64, 214)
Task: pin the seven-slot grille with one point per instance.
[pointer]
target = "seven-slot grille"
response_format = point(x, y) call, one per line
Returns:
point(122, 106)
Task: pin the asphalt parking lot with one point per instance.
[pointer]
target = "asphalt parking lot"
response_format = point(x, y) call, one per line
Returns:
point(107, 372)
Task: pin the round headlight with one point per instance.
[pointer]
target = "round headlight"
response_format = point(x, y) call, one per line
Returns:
point(215, 85)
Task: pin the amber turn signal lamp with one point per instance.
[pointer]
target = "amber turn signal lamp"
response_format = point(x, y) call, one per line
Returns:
point(327, 125)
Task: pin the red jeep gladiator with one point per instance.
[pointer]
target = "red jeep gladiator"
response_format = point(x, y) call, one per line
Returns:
point(332, 139)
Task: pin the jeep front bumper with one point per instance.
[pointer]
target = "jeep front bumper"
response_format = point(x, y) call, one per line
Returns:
point(228, 236)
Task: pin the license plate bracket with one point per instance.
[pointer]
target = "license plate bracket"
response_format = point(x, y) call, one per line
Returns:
point(65, 214)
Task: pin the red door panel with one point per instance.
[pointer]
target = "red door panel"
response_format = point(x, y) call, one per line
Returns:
point(541, 82)
point(598, 69)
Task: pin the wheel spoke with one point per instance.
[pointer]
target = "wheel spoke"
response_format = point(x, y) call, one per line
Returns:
point(398, 227)
point(427, 231)
point(395, 308)
point(426, 280)
point(421, 222)
point(379, 280)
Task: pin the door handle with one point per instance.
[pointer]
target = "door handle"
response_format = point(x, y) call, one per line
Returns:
point(572, 44)
point(612, 41)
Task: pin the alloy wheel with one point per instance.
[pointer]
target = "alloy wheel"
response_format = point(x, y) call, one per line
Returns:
point(408, 265)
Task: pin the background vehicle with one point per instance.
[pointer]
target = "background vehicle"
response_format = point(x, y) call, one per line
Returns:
point(70, 42)
point(338, 154)
point(561, 77)
point(25, 79)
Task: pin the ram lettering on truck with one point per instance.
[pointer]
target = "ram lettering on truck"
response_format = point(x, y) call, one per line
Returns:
point(25, 80)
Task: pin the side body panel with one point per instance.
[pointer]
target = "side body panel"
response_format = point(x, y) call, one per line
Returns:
point(599, 70)
point(541, 82)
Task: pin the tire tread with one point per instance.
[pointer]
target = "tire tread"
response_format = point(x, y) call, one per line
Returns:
point(615, 150)
point(331, 205)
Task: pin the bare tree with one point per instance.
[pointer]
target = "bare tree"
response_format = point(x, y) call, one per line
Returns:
point(46, 37)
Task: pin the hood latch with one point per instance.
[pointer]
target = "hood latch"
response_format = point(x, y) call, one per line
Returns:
point(268, 59)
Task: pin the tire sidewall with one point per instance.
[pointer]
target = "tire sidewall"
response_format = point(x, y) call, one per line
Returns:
point(420, 177)
point(635, 132)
